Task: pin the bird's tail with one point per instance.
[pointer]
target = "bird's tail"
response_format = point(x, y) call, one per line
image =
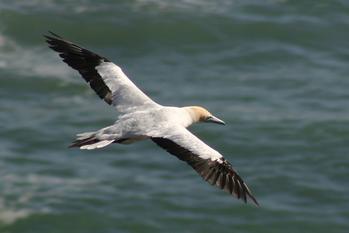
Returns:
point(89, 141)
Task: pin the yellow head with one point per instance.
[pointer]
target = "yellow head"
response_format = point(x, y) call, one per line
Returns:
point(200, 114)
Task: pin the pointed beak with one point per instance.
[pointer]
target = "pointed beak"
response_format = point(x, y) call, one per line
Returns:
point(216, 120)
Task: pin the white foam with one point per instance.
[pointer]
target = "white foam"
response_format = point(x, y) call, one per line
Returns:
point(32, 4)
point(2, 41)
point(9, 216)
point(205, 6)
point(32, 61)
point(20, 201)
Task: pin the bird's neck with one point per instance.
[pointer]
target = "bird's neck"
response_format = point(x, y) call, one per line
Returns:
point(184, 116)
point(191, 115)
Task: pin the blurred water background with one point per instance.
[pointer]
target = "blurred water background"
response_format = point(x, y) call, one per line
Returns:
point(276, 71)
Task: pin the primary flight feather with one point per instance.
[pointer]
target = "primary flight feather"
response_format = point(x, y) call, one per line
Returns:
point(141, 118)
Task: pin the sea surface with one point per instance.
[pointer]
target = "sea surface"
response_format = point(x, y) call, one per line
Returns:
point(276, 71)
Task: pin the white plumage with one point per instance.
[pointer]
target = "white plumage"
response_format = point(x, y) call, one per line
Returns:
point(126, 96)
point(141, 118)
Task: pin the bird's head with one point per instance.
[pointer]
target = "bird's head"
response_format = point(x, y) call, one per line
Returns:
point(200, 114)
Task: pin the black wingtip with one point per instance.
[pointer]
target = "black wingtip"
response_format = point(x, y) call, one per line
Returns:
point(255, 202)
point(251, 197)
point(54, 34)
point(248, 194)
point(51, 35)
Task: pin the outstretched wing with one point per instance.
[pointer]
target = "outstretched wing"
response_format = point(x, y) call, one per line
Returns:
point(210, 164)
point(105, 78)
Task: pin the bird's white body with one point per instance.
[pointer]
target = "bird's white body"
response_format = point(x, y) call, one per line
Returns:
point(159, 121)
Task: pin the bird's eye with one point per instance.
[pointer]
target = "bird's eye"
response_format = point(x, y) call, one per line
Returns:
point(208, 118)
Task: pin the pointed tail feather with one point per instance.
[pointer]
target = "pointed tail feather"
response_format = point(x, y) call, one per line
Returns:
point(84, 141)
point(90, 143)
point(97, 145)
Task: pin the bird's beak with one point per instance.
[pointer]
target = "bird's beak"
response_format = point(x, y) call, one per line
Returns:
point(216, 120)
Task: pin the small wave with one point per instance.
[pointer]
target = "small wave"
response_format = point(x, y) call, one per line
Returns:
point(35, 180)
point(34, 61)
point(9, 216)
point(206, 6)
point(61, 7)
point(24, 195)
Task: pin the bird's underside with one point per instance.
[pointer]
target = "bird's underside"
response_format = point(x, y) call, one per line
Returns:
point(139, 119)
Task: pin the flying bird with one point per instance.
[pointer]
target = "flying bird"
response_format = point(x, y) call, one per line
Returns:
point(141, 118)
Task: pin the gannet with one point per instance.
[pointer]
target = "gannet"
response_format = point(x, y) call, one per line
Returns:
point(141, 118)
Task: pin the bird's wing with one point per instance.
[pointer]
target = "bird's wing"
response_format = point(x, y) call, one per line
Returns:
point(210, 164)
point(105, 78)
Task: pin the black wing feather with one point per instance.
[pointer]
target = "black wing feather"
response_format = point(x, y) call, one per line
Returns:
point(220, 174)
point(82, 60)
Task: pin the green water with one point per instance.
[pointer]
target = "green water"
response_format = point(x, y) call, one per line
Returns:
point(275, 71)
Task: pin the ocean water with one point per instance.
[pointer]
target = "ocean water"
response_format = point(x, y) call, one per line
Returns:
point(276, 71)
